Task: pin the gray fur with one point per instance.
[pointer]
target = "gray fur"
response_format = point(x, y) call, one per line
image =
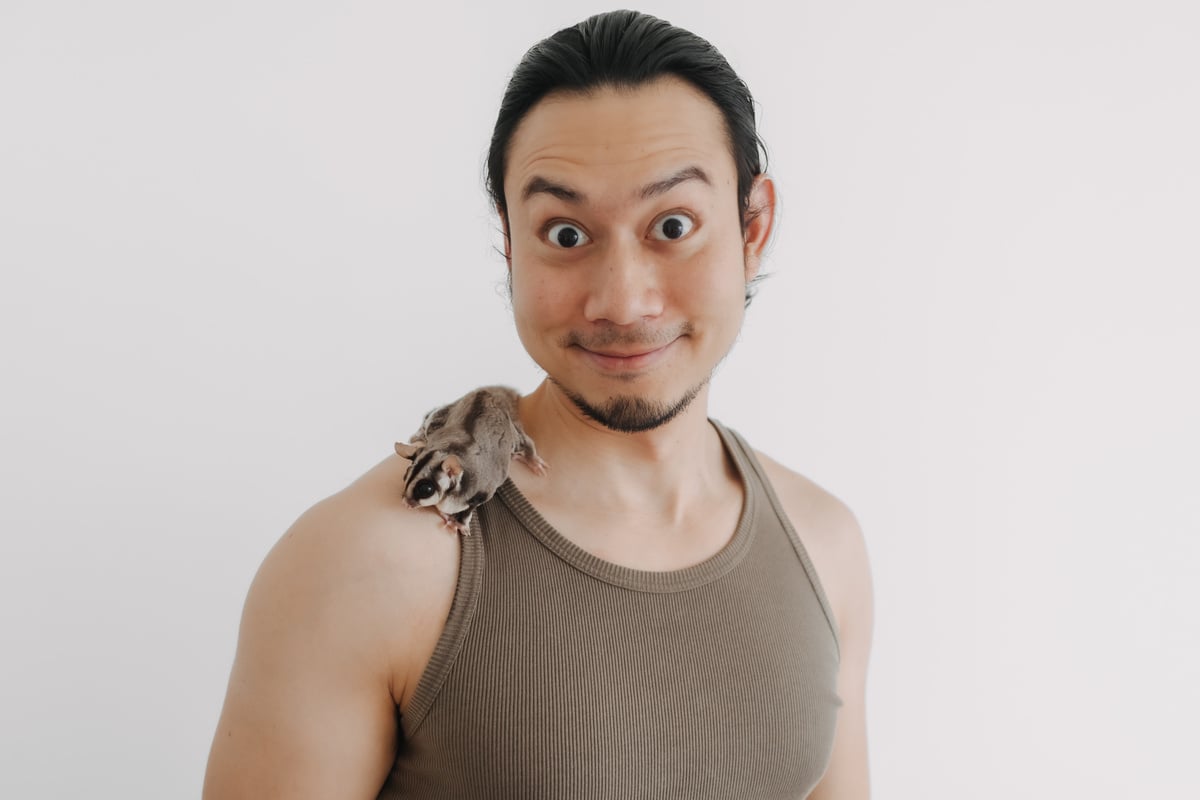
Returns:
point(462, 452)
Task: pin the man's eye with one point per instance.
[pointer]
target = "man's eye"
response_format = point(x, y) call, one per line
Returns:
point(673, 226)
point(566, 235)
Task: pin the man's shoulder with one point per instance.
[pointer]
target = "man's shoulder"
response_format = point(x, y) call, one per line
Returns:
point(359, 570)
point(806, 501)
point(363, 535)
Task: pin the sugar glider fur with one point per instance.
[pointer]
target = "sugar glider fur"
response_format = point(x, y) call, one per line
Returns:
point(462, 453)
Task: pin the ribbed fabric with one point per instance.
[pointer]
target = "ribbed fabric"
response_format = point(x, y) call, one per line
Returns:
point(561, 675)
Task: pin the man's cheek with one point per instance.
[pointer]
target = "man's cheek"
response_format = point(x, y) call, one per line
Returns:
point(543, 296)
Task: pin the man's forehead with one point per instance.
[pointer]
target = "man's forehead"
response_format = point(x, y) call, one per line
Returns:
point(647, 139)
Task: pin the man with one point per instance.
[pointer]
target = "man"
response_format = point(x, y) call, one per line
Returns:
point(666, 613)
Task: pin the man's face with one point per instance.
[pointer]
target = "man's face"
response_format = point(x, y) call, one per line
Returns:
point(628, 260)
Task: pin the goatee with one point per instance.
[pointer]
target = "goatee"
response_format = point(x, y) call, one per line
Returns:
point(631, 414)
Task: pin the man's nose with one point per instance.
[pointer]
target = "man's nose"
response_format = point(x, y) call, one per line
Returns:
point(625, 286)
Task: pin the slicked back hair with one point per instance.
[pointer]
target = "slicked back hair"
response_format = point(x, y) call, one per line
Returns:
point(625, 50)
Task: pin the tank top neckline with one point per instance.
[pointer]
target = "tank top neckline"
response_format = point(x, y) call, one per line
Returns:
point(666, 581)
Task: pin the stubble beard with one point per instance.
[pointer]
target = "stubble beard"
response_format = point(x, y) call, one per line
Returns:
point(630, 413)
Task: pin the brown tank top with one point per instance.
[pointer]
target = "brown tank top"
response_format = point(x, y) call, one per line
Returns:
point(560, 675)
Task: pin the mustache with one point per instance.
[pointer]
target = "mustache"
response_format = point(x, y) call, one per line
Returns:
point(641, 336)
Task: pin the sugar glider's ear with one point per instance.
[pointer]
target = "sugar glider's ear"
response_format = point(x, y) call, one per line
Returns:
point(406, 450)
point(453, 469)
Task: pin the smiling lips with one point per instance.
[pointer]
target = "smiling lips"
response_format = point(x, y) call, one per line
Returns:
point(615, 361)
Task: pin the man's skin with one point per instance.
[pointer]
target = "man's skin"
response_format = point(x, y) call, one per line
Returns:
point(347, 608)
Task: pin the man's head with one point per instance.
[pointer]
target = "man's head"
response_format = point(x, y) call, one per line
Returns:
point(626, 49)
point(625, 167)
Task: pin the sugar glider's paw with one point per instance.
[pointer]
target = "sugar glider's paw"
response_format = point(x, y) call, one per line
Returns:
point(533, 461)
point(459, 523)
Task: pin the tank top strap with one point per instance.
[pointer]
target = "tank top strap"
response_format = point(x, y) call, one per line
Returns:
point(756, 477)
point(458, 622)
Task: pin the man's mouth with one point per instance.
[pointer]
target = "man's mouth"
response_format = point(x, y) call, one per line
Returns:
point(625, 360)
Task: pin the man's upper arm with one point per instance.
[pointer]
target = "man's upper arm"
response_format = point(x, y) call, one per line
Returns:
point(309, 712)
point(845, 572)
point(834, 541)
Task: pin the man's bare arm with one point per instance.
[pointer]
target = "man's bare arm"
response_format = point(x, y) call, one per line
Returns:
point(846, 567)
point(311, 706)
point(835, 544)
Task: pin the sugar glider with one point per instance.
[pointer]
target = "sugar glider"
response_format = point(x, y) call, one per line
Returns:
point(462, 452)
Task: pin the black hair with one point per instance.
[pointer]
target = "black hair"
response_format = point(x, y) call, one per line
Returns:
point(626, 49)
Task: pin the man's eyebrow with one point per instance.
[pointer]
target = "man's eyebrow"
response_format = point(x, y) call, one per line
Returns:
point(537, 184)
point(667, 184)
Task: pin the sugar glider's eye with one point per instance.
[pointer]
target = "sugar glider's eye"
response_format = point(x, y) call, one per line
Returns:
point(673, 226)
point(424, 489)
point(566, 235)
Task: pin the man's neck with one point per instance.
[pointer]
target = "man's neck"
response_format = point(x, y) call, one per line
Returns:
point(658, 474)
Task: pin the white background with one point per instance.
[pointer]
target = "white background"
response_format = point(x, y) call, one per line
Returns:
point(245, 246)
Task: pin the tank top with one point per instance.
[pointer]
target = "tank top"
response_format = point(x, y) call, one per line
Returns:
point(561, 675)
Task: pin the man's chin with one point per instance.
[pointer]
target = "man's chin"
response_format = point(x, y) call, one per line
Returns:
point(631, 413)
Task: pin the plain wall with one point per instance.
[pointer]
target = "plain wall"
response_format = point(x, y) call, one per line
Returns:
point(245, 246)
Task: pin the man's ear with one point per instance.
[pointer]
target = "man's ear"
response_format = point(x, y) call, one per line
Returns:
point(507, 240)
point(760, 220)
